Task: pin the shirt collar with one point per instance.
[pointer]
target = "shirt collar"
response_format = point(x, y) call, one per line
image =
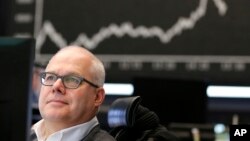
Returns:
point(72, 133)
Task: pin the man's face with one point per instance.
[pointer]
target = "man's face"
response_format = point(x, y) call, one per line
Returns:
point(57, 103)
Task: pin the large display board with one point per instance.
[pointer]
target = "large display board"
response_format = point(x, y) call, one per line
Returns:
point(198, 39)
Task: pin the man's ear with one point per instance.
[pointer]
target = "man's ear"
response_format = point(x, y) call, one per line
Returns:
point(100, 96)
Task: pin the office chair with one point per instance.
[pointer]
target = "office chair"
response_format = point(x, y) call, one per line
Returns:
point(130, 121)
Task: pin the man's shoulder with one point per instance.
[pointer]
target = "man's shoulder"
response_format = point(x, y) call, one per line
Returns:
point(97, 134)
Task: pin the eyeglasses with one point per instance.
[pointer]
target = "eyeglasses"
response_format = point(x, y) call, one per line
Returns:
point(69, 81)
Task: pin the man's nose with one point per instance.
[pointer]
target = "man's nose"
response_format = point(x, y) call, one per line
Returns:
point(59, 86)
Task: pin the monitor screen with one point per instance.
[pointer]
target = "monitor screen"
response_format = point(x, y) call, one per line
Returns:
point(173, 100)
point(16, 61)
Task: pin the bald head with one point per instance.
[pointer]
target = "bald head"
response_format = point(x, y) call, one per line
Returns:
point(76, 50)
point(96, 67)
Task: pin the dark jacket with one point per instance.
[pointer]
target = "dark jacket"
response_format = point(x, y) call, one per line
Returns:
point(96, 134)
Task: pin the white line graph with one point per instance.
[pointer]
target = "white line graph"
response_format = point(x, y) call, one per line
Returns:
point(127, 28)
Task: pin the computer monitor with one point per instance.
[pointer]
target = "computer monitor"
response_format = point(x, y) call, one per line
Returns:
point(173, 100)
point(16, 61)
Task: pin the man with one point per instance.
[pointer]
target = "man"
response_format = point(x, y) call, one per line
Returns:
point(71, 94)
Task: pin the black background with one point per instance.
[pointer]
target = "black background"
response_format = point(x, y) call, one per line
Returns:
point(212, 34)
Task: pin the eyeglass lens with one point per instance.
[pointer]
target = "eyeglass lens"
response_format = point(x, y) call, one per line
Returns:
point(69, 81)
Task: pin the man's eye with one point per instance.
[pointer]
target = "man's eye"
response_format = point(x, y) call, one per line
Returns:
point(71, 80)
point(50, 77)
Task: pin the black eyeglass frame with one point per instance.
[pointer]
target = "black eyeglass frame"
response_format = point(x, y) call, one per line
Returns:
point(62, 78)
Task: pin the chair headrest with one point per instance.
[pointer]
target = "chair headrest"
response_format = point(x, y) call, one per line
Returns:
point(122, 110)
